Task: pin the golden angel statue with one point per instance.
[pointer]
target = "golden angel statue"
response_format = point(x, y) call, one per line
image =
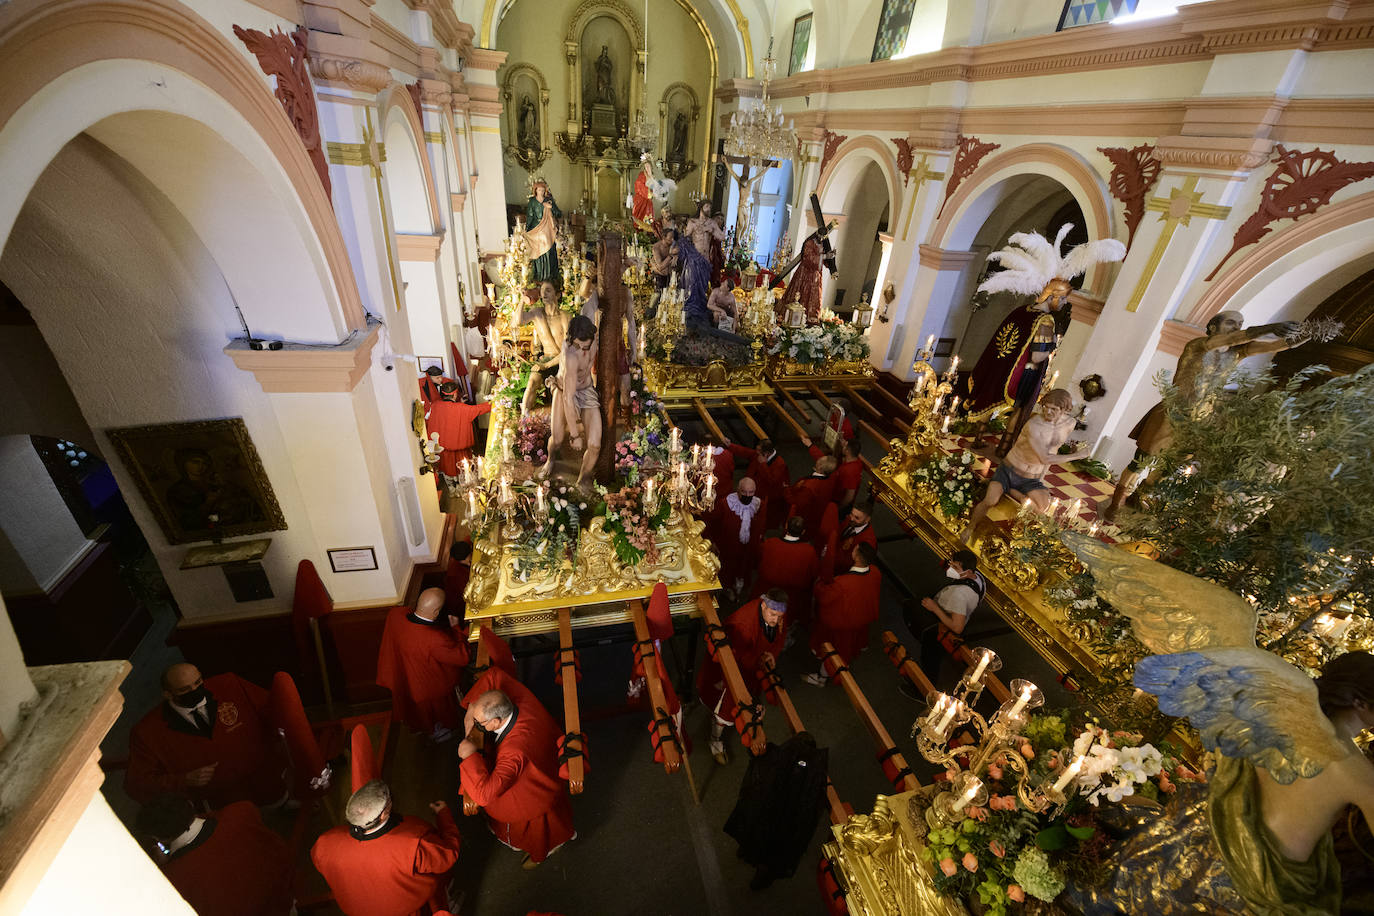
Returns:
point(1256, 838)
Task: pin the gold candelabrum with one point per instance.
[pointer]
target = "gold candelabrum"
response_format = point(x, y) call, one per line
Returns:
point(759, 322)
point(933, 404)
point(670, 322)
point(995, 740)
point(691, 485)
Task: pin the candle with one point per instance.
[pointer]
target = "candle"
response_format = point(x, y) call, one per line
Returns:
point(1092, 529)
point(506, 443)
point(505, 490)
point(1067, 776)
point(682, 475)
point(950, 710)
point(1074, 508)
point(1020, 703)
point(539, 503)
point(935, 408)
point(976, 677)
point(481, 466)
point(472, 504)
point(1053, 509)
point(675, 441)
point(468, 472)
point(930, 343)
point(710, 491)
point(944, 427)
point(953, 406)
point(649, 491)
point(969, 794)
point(707, 458)
point(696, 455)
point(954, 365)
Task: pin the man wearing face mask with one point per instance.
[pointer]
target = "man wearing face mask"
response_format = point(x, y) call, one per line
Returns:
point(212, 739)
point(952, 606)
point(736, 529)
point(858, 529)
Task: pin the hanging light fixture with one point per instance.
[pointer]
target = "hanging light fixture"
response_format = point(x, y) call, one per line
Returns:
point(644, 131)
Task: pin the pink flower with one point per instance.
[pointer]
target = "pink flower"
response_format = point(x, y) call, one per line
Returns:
point(1165, 785)
point(998, 849)
point(1027, 751)
point(970, 861)
point(1002, 803)
point(948, 867)
point(1015, 893)
point(977, 812)
point(995, 772)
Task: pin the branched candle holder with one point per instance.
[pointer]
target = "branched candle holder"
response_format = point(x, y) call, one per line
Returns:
point(995, 739)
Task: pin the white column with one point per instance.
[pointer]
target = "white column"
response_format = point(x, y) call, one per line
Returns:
point(16, 688)
point(39, 539)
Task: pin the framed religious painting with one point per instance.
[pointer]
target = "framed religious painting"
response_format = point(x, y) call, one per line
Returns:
point(202, 480)
point(893, 26)
point(801, 44)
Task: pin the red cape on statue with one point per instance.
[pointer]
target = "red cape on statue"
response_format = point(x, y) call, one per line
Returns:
point(241, 868)
point(515, 779)
point(998, 371)
point(643, 210)
point(420, 663)
point(395, 873)
point(805, 286)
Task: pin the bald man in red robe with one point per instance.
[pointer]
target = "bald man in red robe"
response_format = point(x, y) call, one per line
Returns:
point(224, 864)
point(736, 530)
point(514, 776)
point(757, 631)
point(845, 607)
point(790, 563)
point(770, 474)
point(452, 420)
point(212, 738)
point(809, 496)
point(849, 472)
point(386, 864)
point(419, 662)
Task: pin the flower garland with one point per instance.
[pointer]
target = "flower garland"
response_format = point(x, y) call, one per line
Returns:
point(950, 480)
point(831, 339)
point(1003, 852)
point(633, 529)
point(644, 446)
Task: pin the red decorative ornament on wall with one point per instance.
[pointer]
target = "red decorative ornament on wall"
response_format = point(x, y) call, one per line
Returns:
point(971, 151)
point(283, 57)
point(905, 156)
point(832, 143)
point(414, 90)
point(1302, 183)
point(1134, 173)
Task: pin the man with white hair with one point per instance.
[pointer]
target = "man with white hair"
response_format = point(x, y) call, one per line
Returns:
point(514, 775)
point(384, 863)
point(757, 632)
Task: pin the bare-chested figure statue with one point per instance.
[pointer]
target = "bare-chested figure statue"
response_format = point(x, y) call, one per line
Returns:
point(702, 228)
point(576, 410)
point(550, 326)
point(1203, 362)
point(1030, 458)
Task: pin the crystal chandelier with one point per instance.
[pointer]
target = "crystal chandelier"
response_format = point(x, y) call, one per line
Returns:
point(757, 132)
point(643, 134)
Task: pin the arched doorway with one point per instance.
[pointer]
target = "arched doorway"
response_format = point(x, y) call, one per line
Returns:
point(860, 191)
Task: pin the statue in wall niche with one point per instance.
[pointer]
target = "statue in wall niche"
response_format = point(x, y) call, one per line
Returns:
point(541, 216)
point(529, 124)
point(678, 148)
point(605, 89)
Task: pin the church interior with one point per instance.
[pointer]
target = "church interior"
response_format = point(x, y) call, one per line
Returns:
point(599, 457)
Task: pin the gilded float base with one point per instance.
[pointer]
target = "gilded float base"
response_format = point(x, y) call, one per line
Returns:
point(678, 385)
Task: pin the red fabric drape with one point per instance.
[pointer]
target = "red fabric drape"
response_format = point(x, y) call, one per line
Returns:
point(364, 759)
point(310, 777)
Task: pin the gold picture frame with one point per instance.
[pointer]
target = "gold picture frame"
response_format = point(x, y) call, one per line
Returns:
point(201, 480)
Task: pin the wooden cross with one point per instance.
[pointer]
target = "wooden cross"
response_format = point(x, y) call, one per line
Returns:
point(746, 183)
point(1179, 208)
point(920, 174)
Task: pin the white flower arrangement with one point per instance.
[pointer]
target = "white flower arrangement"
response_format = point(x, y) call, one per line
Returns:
point(818, 343)
point(952, 481)
point(1113, 772)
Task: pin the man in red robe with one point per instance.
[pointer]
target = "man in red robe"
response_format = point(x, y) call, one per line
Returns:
point(809, 496)
point(224, 864)
point(430, 384)
point(757, 632)
point(845, 606)
point(514, 776)
point(849, 471)
point(770, 475)
point(213, 739)
point(858, 529)
point(419, 662)
point(452, 420)
point(386, 864)
point(736, 530)
point(790, 563)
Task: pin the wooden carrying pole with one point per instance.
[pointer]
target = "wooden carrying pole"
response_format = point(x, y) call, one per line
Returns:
point(672, 760)
point(572, 716)
point(734, 681)
point(871, 721)
point(839, 811)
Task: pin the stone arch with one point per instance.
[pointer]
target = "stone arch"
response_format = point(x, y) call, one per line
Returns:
point(394, 106)
point(953, 231)
point(71, 66)
point(848, 165)
point(1271, 274)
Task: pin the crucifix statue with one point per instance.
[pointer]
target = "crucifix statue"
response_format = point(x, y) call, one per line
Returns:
point(750, 171)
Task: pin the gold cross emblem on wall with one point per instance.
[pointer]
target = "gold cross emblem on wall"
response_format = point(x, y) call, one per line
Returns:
point(920, 174)
point(1179, 208)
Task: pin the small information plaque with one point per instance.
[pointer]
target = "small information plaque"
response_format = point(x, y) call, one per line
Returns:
point(352, 559)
